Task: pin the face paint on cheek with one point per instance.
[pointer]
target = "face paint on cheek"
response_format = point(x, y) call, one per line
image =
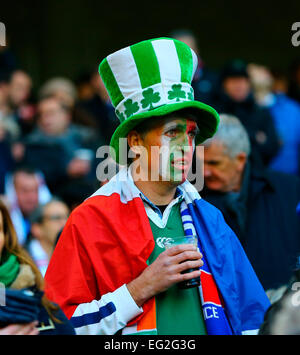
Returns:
point(159, 159)
point(176, 150)
point(186, 144)
point(173, 155)
point(165, 158)
point(191, 127)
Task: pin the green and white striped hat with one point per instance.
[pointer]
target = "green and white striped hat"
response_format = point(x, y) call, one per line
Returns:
point(151, 79)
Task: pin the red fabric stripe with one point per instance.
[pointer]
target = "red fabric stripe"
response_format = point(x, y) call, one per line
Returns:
point(209, 289)
point(104, 244)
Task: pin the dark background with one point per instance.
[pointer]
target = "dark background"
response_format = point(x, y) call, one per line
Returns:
point(64, 38)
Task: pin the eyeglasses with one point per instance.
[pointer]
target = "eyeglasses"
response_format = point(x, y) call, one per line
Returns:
point(56, 217)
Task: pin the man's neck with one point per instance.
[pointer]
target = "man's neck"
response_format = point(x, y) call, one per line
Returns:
point(47, 247)
point(158, 192)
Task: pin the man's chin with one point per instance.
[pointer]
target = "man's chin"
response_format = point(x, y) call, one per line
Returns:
point(179, 178)
point(213, 186)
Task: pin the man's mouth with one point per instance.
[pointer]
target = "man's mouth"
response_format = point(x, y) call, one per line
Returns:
point(181, 164)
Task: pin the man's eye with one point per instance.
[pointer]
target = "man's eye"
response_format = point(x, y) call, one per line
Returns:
point(192, 134)
point(171, 133)
point(214, 163)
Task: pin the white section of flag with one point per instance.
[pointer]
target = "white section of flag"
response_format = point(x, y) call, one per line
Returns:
point(195, 62)
point(169, 66)
point(122, 63)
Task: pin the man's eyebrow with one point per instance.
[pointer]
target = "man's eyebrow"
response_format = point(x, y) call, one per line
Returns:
point(212, 161)
point(182, 126)
point(174, 125)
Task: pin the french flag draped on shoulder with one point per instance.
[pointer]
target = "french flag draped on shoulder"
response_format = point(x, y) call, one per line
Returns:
point(106, 244)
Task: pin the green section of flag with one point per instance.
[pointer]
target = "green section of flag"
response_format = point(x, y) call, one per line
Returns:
point(110, 82)
point(145, 332)
point(146, 63)
point(186, 61)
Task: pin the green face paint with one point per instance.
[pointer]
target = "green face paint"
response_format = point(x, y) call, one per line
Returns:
point(177, 148)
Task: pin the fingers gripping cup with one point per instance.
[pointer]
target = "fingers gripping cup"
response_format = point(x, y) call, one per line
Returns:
point(185, 239)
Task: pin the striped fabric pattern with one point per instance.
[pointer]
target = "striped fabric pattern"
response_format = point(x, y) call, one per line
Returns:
point(216, 321)
point(93, 317)
point(149, 74)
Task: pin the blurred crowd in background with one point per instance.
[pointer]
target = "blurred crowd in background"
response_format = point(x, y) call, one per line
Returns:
point(49, 136)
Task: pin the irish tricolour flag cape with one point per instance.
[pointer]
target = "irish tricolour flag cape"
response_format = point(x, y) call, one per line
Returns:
point(106, 244)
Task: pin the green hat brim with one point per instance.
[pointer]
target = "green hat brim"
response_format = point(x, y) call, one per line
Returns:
point(207, 120)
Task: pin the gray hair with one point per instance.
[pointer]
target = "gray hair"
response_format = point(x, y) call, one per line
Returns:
point(58, 84)
point(286, 320)
point(232, 134)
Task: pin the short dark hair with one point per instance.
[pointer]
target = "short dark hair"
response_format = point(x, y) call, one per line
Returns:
point(27, 169)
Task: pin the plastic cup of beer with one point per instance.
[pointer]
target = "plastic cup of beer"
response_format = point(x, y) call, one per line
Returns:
point(185, 239)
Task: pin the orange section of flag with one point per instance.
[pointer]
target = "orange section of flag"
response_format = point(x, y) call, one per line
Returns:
point(149, 319)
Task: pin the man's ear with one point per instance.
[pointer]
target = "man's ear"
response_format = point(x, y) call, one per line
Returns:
point(241, 160)
point(36, 231)
point(134, 140)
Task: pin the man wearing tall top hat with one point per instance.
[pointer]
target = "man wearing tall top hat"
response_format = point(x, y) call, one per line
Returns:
point(110, 271)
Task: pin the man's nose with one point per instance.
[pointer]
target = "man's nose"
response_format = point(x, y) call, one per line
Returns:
point(207, 171)
point(185, 143)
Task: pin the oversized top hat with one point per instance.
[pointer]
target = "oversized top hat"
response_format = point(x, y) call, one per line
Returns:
point(150, 79)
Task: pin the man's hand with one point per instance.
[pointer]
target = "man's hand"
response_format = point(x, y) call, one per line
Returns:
point(20, 329)
point(165, 271)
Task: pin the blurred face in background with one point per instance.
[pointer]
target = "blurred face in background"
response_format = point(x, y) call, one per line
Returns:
point(237, 88)
point(98, 87)
point(26, 187)
point(190, 41)
point(3, 95)
point(53, 119)
point(222, 172)
point(55, 215)
point(19, 88)
point(260, 76)
point(64, 97)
